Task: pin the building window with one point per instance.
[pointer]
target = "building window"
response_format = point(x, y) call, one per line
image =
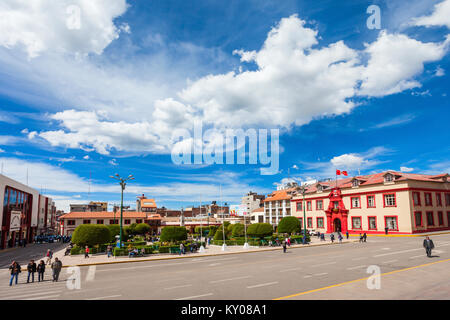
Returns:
point(86, 221)
point(309, 221)
point(299, 206)
point(336, 204)
point(319, 222)
point(438, 200)
point(319, 204)
point(428, 199)
point(356, 223)
point(308, 206)
point(389, 200)
point(447, 199)
point(388, 178)
point(372, 223)
point(416, 198)
point(418, 218)
point(441, 218)
point(371, 201)
point(356, 202)
point(138, 220)
point(391, 223)
point(99, 221)
point(430, 218)
point(113, 221)
point(355, 183)
point(127, 221)
point(301, 222)
point(70, 222)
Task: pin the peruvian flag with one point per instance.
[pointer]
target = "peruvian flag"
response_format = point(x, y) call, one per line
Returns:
point(338, 173)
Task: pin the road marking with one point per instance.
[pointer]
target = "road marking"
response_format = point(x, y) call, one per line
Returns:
point(421, 256)
point(390, 261)
point(403, 251)
point(356, 259)
point(185, 286)
point(324, 264)
point(29, 295)
point(230, 279)
point(173, 279)
point(382, 249)
point(107, 297)
point(357, 280)
point(194, 297)
point(357, 267)
point(293, 269)
point(320, 274)
point(214, 264)
point(46, 297)
point(262, 285)
point(307, 276)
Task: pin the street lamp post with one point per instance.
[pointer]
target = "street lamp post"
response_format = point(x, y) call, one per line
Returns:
point(123, 183)
point(304, 217)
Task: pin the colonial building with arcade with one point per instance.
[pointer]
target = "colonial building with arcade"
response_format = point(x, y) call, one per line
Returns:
point(402, 203)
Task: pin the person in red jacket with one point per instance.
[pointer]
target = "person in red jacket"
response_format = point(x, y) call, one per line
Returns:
point(86, 252)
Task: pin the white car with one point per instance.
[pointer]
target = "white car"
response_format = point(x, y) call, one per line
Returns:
point(312, 232)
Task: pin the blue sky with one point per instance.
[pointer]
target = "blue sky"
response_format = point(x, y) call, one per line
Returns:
point(88, 91)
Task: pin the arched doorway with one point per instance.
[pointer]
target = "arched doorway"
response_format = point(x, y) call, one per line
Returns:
point(337, 225)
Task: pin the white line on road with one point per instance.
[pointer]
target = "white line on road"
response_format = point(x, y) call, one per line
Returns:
point(390, 261)
point(107, 297)
point(293, 269)
point(360, 258)
point(357, 267)
point(324, 264)
point(46, 297)
point(262, 285)
point(307, 276)
point(194, 297)
point(421, 256)
point(214, 264)
point(320, 274)
point(403, 251)
point(177, 287)
point(29, 295)
point(230, 279)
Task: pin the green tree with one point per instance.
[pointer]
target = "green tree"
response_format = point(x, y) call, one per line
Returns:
point(260, 230)
point(173, 234)
point(289, 225)
point(91, 235)
point(114, 230)
point(219, 235)
point(142, 228)
point(238, 230)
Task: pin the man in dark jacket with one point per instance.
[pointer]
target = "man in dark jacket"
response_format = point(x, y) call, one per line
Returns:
point(41, 270)
point(56, 267)
point(31, 270)
point(15, 270)
point(428, 245)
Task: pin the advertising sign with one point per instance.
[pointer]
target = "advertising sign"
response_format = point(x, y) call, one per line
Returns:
point(15, 221)
point(238, 210)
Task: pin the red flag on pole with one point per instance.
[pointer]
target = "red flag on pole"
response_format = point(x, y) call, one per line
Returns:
point(338, 172)
point(344, 173)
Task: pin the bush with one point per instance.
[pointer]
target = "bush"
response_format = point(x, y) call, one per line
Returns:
point(238, 230)
point(76, 250)
point(120, 252)
point(114, 229)
point(289, 225)
point(142, 228)
point(173, 234)
point(260, 230)
point(90, 235)
point(204, 230)
point(219, 235)
point(166, 249)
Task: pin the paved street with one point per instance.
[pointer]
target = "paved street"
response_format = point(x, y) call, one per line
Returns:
point(263, 275)
point(31, 251)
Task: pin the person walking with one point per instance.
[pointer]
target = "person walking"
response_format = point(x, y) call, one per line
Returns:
point(31, 270)
point(346, 234)
point(109, 250)
point(386, 230)
point(284, 247)
point(56, 268)
point(181, 249)
point(428, 245)
point(41, 270)
point(332, 237)
point(15, 270)
point(49, 256)
point(340, 238)
point(360, 238)
point(24, 243)
point(365, 236)
point(86, 252)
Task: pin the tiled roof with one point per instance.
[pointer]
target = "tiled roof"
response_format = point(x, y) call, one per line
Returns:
point(148, 203)
point(280, 195)
point(104, 215)
point(259, 210)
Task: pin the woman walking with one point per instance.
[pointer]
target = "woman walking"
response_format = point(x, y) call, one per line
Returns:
point(41, 270)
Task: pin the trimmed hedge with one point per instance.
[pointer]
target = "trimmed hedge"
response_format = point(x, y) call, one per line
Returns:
point(219, 235)
point(90, 235)
point(238, 230)
point(172, 234)
point(260, 230)
point(142, 228)
point(289, 225)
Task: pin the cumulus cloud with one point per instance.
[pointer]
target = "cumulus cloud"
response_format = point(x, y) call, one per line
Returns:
point(406, 169)
point(67, 26)
point(439, 17)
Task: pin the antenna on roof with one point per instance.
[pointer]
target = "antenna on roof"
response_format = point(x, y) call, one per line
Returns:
point(359, 172)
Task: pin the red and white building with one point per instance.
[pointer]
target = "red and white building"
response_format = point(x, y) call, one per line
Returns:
point(404, 203)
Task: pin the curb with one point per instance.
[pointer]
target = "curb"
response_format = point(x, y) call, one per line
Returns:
point(206, 255)
point(403, 235)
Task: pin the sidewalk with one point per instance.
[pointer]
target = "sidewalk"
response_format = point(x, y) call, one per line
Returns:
point(212, 250)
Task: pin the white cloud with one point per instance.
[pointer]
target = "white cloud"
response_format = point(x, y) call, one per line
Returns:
point(113, 162)
point(86, 157)
point(439, 72)
point(439, 17)
point(396, 121)
point(406, 169)
point(246, 56)
point(1, 150)
point(295, 167)
point(395, 60)
point(67, 26)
